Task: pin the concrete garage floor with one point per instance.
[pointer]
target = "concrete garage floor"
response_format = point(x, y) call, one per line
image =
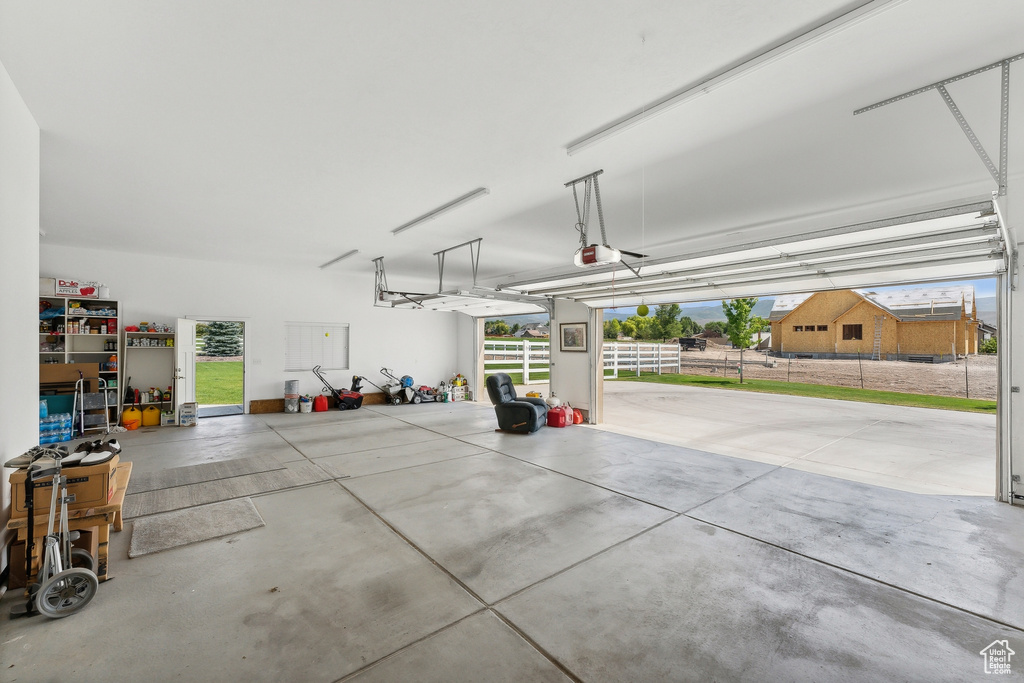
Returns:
point(445, 551)
point(911, 449)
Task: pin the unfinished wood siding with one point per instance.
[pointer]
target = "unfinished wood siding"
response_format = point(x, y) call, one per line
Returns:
point(819, 310)
point(926, 338)
point(864, 314)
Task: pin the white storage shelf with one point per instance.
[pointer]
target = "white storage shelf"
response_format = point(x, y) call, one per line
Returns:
point(150, 366)
point(82, 347)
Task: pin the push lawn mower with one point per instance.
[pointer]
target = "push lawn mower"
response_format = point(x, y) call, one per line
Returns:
point(408, 391)
point(343, 399)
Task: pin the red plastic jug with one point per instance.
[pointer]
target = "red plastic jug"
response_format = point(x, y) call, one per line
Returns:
point(320, 404)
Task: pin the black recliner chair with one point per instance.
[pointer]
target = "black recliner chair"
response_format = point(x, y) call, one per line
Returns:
point(520, 415)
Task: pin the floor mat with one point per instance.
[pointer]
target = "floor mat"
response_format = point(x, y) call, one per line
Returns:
point(183, 527)
point(195, 474)
point(165, 500)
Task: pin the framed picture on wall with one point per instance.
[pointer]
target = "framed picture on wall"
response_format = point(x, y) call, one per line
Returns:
point(572, 336)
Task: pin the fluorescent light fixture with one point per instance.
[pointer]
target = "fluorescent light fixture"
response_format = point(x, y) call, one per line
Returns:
point(704, 85)
point(340, 258)
point(431, 215)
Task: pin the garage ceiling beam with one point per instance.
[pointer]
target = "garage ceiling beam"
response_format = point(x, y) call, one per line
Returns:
point(953, 213)
point(925, 257)
point(965, 237)
point(800, 282)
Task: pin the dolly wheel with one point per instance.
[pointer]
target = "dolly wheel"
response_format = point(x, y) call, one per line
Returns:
point(66, 593)
point(80, 557)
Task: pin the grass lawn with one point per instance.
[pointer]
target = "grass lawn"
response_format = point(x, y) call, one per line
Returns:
point(219, 383)
point(764, 386)
point(517, 377)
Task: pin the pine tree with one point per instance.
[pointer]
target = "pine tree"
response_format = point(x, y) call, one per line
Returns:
point(223, 338)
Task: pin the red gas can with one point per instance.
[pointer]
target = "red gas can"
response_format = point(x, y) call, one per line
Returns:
point(320, 404)
point(559, 416)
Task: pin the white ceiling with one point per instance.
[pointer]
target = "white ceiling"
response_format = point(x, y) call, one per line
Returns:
point(293, 132)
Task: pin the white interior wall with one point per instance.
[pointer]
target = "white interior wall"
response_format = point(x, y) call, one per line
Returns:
point(571, 370)
point(470, 355)
point(19, 270)
point(161, 289)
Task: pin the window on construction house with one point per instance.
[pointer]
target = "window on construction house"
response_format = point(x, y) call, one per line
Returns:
point(853, 332)
point(822, 328)
point(798, 328)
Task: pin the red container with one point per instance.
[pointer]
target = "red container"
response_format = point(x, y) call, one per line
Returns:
point(577, 416)
point(320, 404)
point(559, 416)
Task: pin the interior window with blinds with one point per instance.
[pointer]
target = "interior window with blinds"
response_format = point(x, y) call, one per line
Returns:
point(307, 345)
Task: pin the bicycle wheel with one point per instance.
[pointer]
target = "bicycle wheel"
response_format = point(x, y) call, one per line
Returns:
point(66, 593)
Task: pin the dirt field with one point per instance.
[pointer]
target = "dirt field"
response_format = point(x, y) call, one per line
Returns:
point(977, 373)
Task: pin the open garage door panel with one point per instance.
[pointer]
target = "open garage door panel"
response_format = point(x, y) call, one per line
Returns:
point(960, 242)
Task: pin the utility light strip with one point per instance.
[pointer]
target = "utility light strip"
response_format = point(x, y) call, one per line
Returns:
point(340, 258)
point(431, 215)
point(718, 78)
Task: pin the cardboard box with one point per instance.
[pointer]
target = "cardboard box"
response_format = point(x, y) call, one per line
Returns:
point(89, 540)
point(77, 288)
point(67, 373)
point(47, 286)
point(188, 414)
point(168, 419)
point(93, 486)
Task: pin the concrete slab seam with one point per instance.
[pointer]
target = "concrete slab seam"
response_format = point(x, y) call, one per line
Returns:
point(405, 467)
point(536, 646)
point(830, 443)
point(588, 558)
point(415, 547)
point(391, 655)
point(853, 572)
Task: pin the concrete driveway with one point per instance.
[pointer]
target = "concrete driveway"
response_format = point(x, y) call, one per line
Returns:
point(910, 449)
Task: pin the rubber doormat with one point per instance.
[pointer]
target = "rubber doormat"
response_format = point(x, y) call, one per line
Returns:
point(184, 527)
point(196, 474)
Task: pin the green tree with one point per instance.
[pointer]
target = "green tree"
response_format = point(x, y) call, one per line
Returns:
point(738, 321)
point(515, 328)
point(496, 328)
point(759, 325)
point(223, 338)
point(715, 328)
point(738, 324)
point(988, 346)
point(612, 328)
point(687, 326)
point(666, 321)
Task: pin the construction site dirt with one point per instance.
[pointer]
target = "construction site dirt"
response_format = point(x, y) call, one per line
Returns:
point(972, 377)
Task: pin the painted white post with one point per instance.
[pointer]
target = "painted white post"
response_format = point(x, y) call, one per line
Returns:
point(615, 360)
point(526, 361)
point(659, 359)
point(679, 359)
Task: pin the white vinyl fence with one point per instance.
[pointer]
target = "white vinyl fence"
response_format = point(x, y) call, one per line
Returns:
point(531, 358)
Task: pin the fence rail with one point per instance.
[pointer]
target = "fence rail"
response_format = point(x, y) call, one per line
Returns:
point(532, 359)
